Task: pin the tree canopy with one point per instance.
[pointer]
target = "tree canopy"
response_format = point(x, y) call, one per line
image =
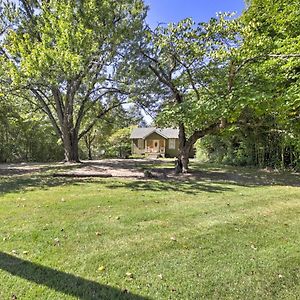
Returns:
point(78, 62)
point(64, 55)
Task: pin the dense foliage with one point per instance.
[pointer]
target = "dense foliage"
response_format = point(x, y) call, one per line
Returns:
point(68, 67)
point(64, 55)
point(269, 133)
point(26, 135)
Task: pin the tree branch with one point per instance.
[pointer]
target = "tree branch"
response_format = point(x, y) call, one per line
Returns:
point(47, 110)
point(99, 116)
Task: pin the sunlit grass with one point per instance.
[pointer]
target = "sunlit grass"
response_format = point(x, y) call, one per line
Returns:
point(204, 239)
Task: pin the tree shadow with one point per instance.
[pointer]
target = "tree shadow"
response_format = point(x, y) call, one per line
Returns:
point(202, 178)
point(12, 184)
point(62, 282)
point(32, 168)
point(129, 164)
point(246, 177)
point(25, 183)
point(188, 187)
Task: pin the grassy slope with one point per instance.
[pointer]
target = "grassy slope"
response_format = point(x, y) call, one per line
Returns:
point(232, 241)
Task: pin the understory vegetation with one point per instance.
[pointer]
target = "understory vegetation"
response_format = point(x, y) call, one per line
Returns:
point(258, 146)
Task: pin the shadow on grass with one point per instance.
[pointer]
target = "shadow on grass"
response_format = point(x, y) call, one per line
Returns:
point(202, 178)
point(129, 164)
point(32, 168)
point(187, 187)
point(26, 183)
point(246, 177)
point(62, 282)
point(12, 184)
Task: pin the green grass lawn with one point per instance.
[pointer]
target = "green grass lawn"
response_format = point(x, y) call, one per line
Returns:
point(219, 237)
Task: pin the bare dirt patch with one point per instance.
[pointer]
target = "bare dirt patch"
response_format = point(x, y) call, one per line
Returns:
point(124, 168)
point(162, 169)
point(25, 168)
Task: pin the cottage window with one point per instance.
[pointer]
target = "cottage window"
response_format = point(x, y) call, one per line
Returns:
point(172, 143)
point(141, 143)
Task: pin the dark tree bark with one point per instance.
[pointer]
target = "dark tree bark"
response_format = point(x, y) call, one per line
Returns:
point(70, 141)
point(88, 139)
point(186, 145)
point(184, 149)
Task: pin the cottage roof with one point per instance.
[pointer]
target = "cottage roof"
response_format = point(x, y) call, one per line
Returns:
point(142, 133)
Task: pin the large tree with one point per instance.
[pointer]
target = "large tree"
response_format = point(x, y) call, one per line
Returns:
point(269, 56)
point(196, 67)
point(65, 54)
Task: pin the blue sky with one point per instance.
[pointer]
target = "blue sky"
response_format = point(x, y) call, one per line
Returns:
point(166, 11)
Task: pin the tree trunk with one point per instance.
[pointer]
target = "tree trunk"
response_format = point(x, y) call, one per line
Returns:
point(88, 140)
point(88, 145)
point(185, 160)
point(70, 141)
point(90, 153)
point(182, 163)
point(186, 145)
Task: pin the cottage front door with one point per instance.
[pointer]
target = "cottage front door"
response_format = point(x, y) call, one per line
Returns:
point(156, 146)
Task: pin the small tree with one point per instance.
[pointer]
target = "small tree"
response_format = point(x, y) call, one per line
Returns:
point(120, 142)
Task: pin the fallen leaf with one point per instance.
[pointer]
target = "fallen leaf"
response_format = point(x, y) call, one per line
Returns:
point(56, 241)
point(253, 247)
point(101, 268)
point(130, 275)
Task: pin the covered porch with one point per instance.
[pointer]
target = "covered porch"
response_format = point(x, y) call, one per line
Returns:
point(155, 146)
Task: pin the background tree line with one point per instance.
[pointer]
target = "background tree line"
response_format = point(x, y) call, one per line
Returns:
point(74, 76)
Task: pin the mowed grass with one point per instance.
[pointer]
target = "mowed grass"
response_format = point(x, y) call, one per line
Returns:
point(209, 238)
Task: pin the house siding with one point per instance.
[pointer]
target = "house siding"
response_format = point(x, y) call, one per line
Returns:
point(168, 152)
point(154, 136)
point(146, 145)
point(135, 147)
point(149, 142)
point(172, 152)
